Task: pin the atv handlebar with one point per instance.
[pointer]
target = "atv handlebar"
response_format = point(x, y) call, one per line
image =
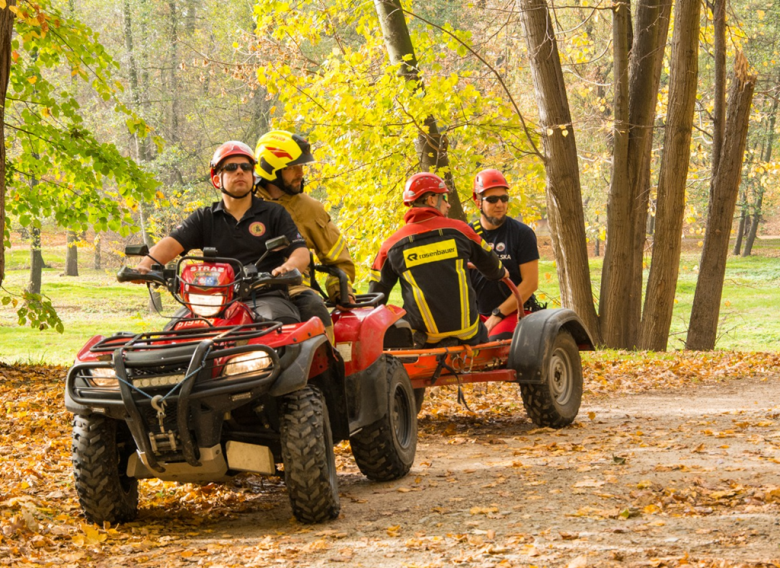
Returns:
point(127, 274)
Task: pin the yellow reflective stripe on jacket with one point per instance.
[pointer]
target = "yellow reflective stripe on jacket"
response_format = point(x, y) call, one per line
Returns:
point(463, 292)
point(374, 275)
point(334, 253)
point(422, 305)
point(467, 333)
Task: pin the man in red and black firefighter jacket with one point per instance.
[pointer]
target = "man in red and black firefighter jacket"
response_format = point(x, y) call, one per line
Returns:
point(430, 256)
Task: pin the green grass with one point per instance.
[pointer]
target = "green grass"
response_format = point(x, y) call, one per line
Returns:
point(94, 303)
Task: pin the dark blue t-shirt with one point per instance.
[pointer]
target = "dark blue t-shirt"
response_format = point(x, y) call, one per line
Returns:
point(515, 244)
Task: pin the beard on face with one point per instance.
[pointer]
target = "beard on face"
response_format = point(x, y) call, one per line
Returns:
point(291, 189)
point(497, 221)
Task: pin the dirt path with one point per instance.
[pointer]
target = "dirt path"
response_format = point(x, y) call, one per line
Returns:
point(639, 480)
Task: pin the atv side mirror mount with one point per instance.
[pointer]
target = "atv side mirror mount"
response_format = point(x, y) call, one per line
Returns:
point(136, 250)
point(274, 245)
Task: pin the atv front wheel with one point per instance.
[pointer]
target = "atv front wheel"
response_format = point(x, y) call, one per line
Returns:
point(385, 450)
point(307, 452)
point(101, 448)
point(556, 402)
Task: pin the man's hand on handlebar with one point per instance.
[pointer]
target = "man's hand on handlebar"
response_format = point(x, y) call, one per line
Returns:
point(283, 269)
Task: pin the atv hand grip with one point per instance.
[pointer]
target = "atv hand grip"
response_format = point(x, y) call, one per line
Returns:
point(127, 274)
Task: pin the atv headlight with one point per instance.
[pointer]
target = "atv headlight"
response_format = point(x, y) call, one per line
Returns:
point(247, 363)
point(104, 377)
point(205, 305)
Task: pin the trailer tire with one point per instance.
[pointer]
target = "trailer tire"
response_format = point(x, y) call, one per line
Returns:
point(307, 454)
point(385, 450)
point(556, 402)
point(105, 491)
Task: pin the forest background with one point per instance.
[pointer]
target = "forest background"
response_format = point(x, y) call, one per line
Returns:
point(114, 109)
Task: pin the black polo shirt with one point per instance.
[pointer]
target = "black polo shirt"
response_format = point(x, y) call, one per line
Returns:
point(243, 240)
point(515, 244)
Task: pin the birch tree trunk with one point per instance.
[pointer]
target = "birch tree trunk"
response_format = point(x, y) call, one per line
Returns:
point(6, 31)
point(564, 193)
point(664, 270)
point(636, 92)
point(724, 189)
point(430, 144)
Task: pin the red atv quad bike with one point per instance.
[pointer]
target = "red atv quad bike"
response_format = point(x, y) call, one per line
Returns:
point(543, 358)
point(221, 391)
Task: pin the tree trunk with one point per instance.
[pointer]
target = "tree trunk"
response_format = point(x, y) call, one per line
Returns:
point(740, 233)
point(719, 112)
point(755, 220)
point(430, 144)
point(564, 193)
point(612, 302)
point(6, 31)
point(174, 69)
point(724, 190)
point(664, 270)
point(36, 262)
point(636, 90)
point(97, 261)
point(72, 255)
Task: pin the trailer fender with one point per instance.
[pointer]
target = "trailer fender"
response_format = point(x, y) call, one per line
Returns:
point(534, 336)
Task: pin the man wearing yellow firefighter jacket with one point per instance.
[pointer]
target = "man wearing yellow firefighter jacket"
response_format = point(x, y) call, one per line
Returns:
point(280, 160)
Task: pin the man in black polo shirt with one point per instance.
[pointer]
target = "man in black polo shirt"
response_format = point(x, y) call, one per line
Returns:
point(515, 244)
point(239, 225)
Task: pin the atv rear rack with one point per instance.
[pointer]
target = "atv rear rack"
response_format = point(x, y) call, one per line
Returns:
point(220, 336)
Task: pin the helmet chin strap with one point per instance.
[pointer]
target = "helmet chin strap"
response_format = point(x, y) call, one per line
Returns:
point(236, 196)
point(226, 192)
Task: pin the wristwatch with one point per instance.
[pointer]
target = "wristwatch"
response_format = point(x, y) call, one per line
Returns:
point(497, 313)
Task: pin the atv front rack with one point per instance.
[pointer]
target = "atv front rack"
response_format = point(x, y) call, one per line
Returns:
point(220, 337)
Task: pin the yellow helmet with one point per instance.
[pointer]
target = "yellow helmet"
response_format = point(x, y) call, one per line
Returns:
point(279, 149)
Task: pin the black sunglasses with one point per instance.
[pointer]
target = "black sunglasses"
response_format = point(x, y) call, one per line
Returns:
point(245, 167)
point(493, 199)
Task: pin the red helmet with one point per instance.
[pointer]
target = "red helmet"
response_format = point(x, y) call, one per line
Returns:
point(488, 179)
point(420, 184)
point(232, 148)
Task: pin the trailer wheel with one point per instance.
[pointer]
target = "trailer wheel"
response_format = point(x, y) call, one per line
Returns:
point(385, 450)
point(556, 402)
point(101, 448)
point(307, 453)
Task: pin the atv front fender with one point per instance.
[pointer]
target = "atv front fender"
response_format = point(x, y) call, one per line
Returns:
point(296, 362)
point(535, 334)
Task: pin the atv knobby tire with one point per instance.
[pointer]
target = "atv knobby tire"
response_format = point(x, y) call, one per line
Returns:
point(105, 491)
point(556, 402)
point(385, 450)
point(307, 453)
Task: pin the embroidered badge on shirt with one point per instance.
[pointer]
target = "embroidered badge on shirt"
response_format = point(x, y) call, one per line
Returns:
point(500, 247)
point(257, 229)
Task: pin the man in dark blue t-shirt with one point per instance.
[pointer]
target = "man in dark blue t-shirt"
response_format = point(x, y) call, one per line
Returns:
point(514, 243)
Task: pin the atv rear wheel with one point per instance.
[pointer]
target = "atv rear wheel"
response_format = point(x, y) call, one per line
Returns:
point(419, 398)
point(307, 452)
point(556, 402)
point(385, 450)
point(101, 448)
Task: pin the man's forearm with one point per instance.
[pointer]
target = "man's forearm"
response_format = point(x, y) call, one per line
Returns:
point(163, 252)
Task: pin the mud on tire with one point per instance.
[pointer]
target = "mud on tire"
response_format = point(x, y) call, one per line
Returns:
point(307, 452)
point(385, 450)
point(556, 402)
point(101, 447)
